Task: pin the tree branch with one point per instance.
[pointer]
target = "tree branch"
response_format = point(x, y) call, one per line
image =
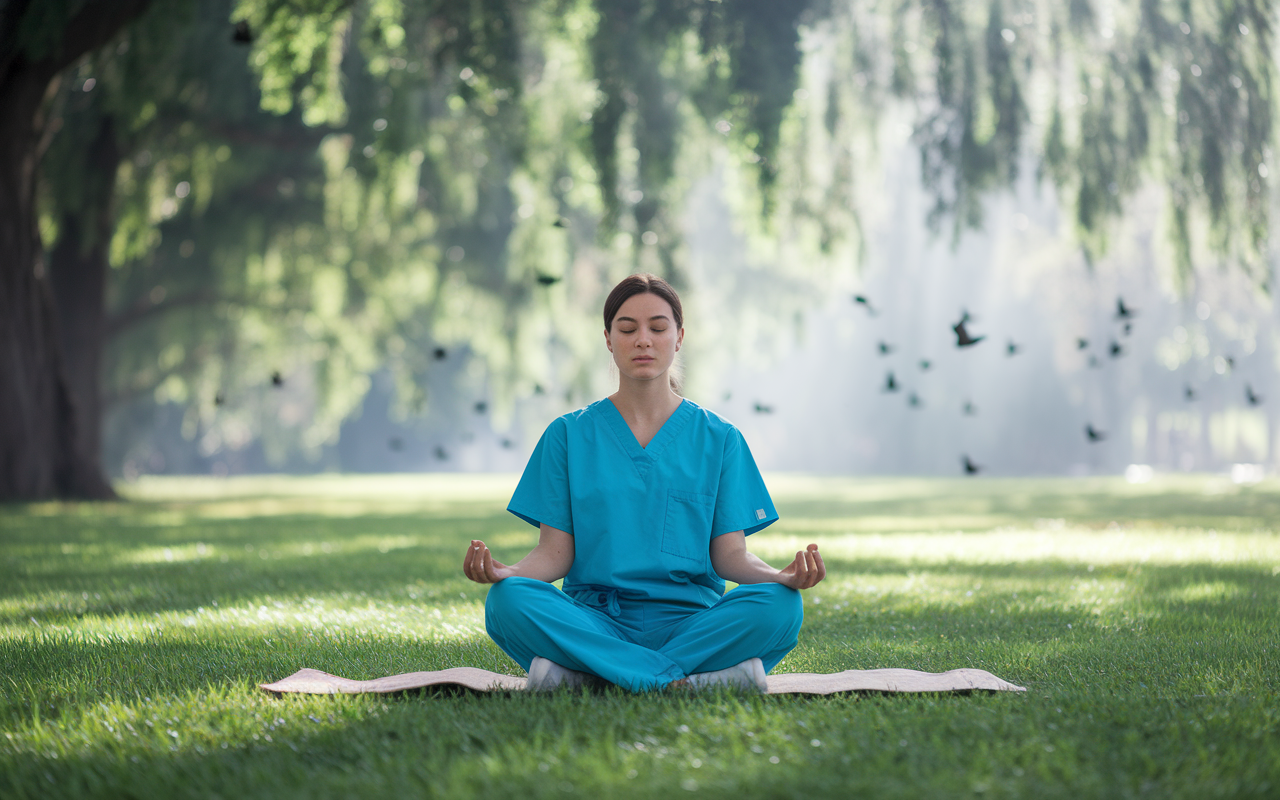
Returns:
point(91, 27)
point(112, 397)
point(146, 308)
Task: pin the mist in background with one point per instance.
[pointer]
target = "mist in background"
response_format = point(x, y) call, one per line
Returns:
point(809, 390)
point(400, 268)
point(1173, 394)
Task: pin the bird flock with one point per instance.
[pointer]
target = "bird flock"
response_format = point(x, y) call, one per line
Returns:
point(966, 339)
point(276, 380)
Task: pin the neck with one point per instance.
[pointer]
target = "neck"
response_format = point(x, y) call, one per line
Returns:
point(646, 399)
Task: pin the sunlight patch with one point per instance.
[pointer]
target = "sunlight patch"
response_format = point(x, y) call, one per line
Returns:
point(335, 615)
point(1201, 592)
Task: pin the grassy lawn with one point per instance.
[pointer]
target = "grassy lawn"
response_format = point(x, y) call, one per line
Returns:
point(1142, 619)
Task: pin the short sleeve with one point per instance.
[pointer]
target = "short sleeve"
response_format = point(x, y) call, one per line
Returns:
point(542, 496)
point(742, 501)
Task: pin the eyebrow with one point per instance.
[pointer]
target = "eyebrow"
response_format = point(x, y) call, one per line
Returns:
point(655, 316)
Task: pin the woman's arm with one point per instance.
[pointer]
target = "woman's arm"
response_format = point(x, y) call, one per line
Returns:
point(731, 561)
point(549, 561)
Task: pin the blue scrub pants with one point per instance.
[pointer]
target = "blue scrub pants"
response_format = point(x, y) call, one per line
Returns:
point(529, 618)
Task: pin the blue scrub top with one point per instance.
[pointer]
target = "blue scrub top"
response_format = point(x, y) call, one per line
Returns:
point(643, 518)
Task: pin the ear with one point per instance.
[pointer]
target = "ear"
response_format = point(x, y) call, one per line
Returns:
point(608, 343)
point(679, 338)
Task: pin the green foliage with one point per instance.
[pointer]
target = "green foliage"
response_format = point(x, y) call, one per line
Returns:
point(1140, 618)
point(371, 180)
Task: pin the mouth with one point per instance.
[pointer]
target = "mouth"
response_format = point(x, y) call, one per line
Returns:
point(643, 359)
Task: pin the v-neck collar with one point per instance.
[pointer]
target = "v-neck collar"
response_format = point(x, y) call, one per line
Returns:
point(642, 457)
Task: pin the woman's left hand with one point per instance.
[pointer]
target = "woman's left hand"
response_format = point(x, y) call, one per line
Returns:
point(805, 571)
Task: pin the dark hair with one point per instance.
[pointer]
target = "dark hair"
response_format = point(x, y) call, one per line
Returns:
point(641, 283)
point(647, 283)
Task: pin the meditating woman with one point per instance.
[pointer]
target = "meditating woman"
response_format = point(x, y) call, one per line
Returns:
point(643, 501)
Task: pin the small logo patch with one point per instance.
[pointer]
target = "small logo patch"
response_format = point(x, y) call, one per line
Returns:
point(759, 513)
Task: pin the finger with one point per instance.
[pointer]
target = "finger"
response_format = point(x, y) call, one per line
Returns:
point(490, 572)
point(476, 561)
point(467, 562)
point(802, 569)
point(810, 570)
point(822, 568)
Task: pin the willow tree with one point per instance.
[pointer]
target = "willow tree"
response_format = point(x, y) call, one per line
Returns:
point(458, 204)
point(1101, 100)
point(42, 451)
point(467, 177)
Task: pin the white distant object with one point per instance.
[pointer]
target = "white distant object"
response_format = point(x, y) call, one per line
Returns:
point(1138, 473)
point(1248, 473)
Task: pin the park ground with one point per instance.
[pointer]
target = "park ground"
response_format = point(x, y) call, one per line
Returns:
point(1144, 621)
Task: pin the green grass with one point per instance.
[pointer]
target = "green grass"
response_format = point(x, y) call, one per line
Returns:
point(1142, 619)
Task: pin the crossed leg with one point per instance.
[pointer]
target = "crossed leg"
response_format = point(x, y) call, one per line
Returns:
point(529, 618)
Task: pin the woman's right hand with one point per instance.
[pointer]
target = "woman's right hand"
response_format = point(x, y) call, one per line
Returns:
point(480, 567)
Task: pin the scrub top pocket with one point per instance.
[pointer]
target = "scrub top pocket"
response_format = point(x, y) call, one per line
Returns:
point(686, 531)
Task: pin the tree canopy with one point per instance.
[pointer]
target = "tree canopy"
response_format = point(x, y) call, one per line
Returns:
point(309, 191)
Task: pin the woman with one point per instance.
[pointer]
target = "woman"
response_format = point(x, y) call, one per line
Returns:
point(643, 502)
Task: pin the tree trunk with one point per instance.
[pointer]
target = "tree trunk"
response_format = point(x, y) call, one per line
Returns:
point(43, 453)
point(78, 275)
point(40, 455)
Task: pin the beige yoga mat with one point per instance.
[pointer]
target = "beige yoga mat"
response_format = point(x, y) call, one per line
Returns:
point(312, 681)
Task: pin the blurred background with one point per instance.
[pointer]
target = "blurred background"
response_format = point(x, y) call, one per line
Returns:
point(992, 237)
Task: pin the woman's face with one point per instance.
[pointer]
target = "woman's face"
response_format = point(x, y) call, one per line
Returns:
point(644, 338)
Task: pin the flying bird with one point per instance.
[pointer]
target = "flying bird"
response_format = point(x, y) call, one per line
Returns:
point(890, 383)
point(537, 389)
point(913, 400)
point(1231, 362)
point(1123, 311)
point(761, 408)
point(1116, 350)
point(1094, 435)
point(440, 353)
point(277, 380)
point(1012, 348)
point(963, 339)
point(925, 364)
point(1189, 393)
point(441, 453)
point(1093, 362)
point(969, 409)
point(241, 34)
point(865, 303)
point(1253, 399)
point(218, 399)
point(970, 468)
point(481, 407)
point(395, 444)
point(561, 222)
point(1081, 343)
point(507, 444)
point(547, 280)
point(884, 347)
point(1128, 328)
